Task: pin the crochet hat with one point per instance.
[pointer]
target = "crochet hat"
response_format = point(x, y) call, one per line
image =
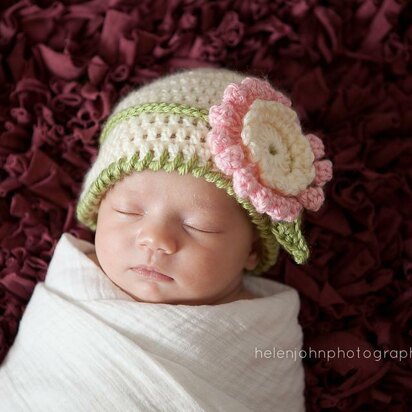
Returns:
point(229, 129)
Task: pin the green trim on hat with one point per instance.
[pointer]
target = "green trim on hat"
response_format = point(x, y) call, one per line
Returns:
point(271, 233)
point(171, 108)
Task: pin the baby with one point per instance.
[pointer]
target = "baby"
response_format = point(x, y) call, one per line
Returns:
point(200, 177)
point(166, 238)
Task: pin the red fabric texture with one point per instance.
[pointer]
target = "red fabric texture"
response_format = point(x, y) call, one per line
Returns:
point(346, 67)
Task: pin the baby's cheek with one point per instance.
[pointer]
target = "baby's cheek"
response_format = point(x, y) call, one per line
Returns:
point(210, 263)
point(105, 250)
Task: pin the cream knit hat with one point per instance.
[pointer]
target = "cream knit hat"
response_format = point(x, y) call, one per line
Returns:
point(232, 130)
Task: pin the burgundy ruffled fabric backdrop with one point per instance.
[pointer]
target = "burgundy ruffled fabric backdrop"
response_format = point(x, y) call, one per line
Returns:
point(346, 66)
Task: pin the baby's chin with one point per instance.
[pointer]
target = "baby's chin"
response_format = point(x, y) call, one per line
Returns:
point(153, 296)
point(159, 298)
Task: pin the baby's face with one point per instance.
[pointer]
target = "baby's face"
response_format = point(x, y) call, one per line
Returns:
point(157, 223)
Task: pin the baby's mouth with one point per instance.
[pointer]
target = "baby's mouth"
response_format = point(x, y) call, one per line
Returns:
point(150, 273)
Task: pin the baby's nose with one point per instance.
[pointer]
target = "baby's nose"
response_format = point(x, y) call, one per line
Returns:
point(158, 236)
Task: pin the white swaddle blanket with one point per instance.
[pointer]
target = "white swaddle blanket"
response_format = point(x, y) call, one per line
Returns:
point(85, 345)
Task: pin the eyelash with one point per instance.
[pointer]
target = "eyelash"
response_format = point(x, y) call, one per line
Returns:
point(198, 230)
point(129, 213)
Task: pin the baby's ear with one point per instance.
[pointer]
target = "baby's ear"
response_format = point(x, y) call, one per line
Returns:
point(253, 258)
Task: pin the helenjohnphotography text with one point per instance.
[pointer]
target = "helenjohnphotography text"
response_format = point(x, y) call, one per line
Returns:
point(330, 354)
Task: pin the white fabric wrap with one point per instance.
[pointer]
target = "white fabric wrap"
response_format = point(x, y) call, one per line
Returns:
point(85, 345)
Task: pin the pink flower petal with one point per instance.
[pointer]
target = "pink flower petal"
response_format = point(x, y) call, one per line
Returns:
point(258, 89)
point(317, 145)
point(230, 159)
point(323, 172)
point(234, 94)
point(285, 209)
point(244, 183)
point(312, 198)
point(218, 141)
point(225, 118)
point(216, 115)
point(262, 199)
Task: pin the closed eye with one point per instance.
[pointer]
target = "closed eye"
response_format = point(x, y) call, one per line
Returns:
point(128, 213)
point(199, 230)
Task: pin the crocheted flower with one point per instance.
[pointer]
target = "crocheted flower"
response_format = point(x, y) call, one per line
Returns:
point(256, 138)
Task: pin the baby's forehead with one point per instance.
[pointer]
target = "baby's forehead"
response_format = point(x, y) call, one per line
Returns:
point(195, 191)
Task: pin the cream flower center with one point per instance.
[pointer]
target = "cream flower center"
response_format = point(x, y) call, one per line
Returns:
point(273, 136)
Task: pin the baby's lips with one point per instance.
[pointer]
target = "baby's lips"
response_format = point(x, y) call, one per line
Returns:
point(151, 272)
